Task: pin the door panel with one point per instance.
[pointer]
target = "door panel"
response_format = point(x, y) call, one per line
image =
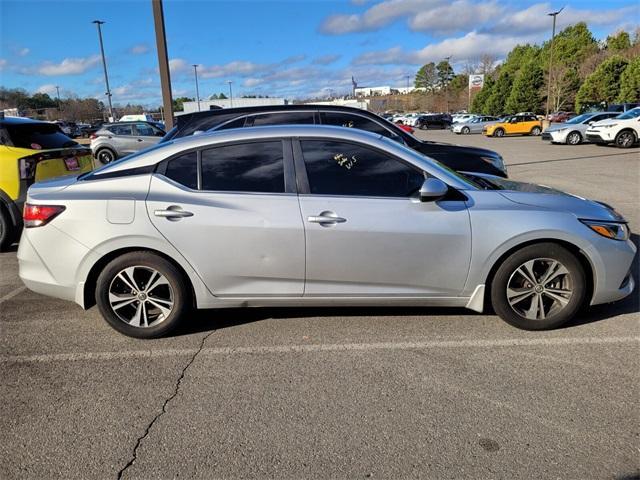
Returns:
point(386, 246)
point(241, 244)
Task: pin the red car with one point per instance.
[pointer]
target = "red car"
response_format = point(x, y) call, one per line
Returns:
point(561, 116)
point(404, 127)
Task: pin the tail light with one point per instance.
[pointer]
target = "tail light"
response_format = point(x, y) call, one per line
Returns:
point(39, 215)
point(93, 136)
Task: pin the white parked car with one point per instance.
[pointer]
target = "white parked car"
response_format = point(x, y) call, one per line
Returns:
point(623, 130)
point(465, 117)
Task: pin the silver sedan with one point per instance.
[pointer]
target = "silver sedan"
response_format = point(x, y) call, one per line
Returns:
point(314, 215)
point(474, 125)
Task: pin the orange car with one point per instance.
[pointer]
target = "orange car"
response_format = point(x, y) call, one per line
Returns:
point(515, 125)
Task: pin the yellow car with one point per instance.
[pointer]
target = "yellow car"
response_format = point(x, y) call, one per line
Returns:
point(515, 125)
point(31, 151)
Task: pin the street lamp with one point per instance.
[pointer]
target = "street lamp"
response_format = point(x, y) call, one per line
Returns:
point(553, 36)
point(58, 95)
point(104, 66)
point(195, 72)
point(230, 93)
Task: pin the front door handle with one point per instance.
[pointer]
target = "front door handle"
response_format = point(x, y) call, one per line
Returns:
point(326, 218)
point(139, 139)
point(173, 213)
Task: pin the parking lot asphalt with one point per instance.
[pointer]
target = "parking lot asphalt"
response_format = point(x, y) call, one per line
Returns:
point(335, 392)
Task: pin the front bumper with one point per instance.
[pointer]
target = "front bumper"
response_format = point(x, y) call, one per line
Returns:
point(599, 137)
point(612, 261)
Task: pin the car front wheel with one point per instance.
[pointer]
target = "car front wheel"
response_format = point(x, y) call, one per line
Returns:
point(625, 139)
point(539, 287)
point(574, 138)
point(466, 130)
point(142, 295)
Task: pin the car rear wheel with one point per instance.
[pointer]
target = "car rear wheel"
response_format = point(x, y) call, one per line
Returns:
point(106, 155)
point(539, 287)
point(625, 139)
point(466, 130)
point(6, 230)
point(142, 295)
point(574, 138)
point(535, 131)
point(499, 132)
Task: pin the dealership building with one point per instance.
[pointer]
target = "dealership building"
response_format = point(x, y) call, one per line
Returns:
point(190, 107)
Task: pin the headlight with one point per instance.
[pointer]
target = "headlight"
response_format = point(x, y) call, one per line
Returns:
point(610, 126)
point(559, 130)
point(615, 231)
point(497, 162)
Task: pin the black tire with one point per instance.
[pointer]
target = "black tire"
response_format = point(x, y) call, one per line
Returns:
point(535, 131)
point(625, 139)
point(574, 138)
point(466, 130)
point(541, 252)
point(105, 155)
point(176, 281)
point(498, 132)
point(7, 233)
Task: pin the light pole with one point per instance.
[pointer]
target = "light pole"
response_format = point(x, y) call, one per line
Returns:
point(58, 95)
point(553, 36)
point(163, 62)
point(230, 93)
point(104, 66)
point(407, 77)
point(446, 85)
point(195, 72)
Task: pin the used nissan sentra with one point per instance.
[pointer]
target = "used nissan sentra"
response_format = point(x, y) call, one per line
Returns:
point(314, 215)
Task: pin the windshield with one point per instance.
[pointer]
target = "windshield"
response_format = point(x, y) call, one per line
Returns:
point(633, 113)
point(37, 136)
point(580, 118)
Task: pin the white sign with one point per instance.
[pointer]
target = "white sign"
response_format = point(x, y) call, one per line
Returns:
point(476, 81)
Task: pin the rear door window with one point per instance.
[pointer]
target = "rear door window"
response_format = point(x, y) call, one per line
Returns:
point(145, 130)
point(248, 167)
point(37, 136)
point(121, 130)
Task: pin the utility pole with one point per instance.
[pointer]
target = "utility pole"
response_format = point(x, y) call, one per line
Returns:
point(58, 95)
point(446, 86)
point(195, 72)
point(230, 94)
point(553, 36)
point(104, 66)
point(407, 77)
point(163, 63)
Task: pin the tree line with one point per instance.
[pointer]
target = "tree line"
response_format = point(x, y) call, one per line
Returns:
point(585, 72)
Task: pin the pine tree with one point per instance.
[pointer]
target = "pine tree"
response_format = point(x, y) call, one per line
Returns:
point(603, 85)
point(426, 77)
point(525, 93)
point(630, 82)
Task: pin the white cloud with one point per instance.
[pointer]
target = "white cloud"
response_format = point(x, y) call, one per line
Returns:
point(3, 64)
point(178, 65)
point(139, 49)
point(68, 66)
point(459, 15)
point(326, 59)
point(252, 82)
point(23, 52)
point(48, 88)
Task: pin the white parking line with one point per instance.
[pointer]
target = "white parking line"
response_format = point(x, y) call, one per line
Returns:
point(339, 347)
point(13, 293)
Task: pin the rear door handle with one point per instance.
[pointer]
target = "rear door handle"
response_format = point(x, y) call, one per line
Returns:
point(172, 213)
point(326, 218)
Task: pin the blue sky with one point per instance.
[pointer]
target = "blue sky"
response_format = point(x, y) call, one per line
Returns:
point(278, 48)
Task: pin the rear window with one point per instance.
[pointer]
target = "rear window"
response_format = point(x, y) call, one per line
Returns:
point(36, 136)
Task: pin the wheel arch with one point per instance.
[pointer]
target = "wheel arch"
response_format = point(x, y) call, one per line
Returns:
point(585, 261)
point(627, 129)
point(92, 277)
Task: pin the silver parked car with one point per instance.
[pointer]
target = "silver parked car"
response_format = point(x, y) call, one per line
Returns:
point(573, 131)
point(314, 215)
point(475, 125)
point(116, 140)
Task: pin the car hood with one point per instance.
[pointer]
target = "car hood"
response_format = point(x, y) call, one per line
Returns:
point(557, 126)
point(602, 123)
point(547, 197)
point(423, 147)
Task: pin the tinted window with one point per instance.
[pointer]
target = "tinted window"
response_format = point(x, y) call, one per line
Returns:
point(184, 170)
point(121, 129)
point(37, 136)
point(354, 121)
point(238, 123)
point(145, 130)
point(336, 168)
point(288, 118)
point(250, 167)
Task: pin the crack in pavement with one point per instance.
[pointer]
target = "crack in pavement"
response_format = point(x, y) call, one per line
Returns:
point(147, 430)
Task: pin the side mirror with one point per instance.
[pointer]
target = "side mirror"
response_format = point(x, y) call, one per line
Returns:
point(432, 189)
point(591, 122)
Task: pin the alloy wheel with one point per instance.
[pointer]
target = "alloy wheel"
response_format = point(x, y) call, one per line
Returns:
point(539, 288)
point(466, 130)
point(141, 296)
point(573, 138)
point(105, 156)
point(625, 139)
